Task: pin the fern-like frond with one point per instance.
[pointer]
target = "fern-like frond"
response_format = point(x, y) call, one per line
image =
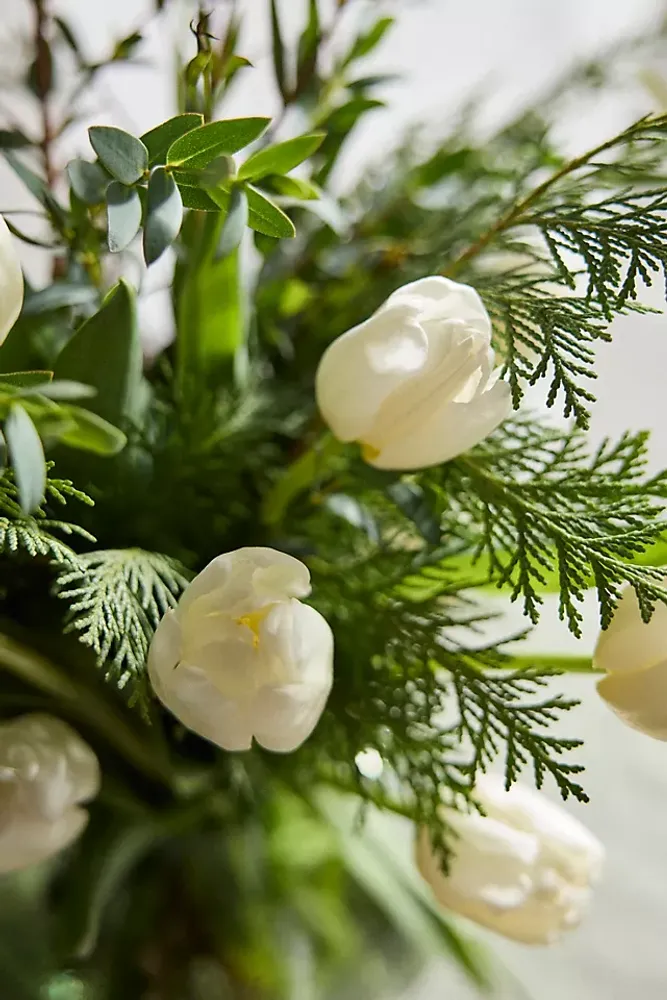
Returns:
point(34, 534)
point(116, 598)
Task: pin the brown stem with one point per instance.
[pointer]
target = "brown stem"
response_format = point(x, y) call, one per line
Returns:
point(514, 215)
point(43, 86)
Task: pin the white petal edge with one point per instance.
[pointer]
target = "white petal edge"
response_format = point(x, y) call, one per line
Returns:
point(11, 282)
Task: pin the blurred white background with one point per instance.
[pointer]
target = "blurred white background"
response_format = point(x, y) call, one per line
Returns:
point(446, 49)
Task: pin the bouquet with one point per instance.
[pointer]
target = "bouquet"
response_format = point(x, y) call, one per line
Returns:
point(244, 577)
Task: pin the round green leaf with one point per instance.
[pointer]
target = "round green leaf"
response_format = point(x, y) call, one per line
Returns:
point(164, 214)
point(123, 216)
point(124, 156)
point(88, 180)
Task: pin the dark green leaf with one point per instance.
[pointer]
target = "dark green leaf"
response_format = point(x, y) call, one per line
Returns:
point(282, 157)
point(164, 214)
point(60, 295)
point(123, 216)
point(308, 46)
point(69, 36)
point(89, 181)
point(27, 457)
point(123, 155)
point(366, 42)
point(265, 217)
point(235, 223)
point(106, 353)
point(26, 380)
point(198, 147)
point(411, 500)
point(278, 51)
point(160, 138)
point(39, 189)
point(88, 431)
point(13, 138)
point(197, 199)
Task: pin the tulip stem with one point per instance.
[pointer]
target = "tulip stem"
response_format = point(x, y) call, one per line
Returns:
point(306, 470)
point(515, 215)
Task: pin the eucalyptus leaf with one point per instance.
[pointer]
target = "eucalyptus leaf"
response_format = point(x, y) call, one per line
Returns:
point(105, 353)
point(59, 295)
point(27, 458)
point(367, 41)
point(195, 198)
point(123, 216)
point(198, 147)
point(235, 223)
point(158, 140)
point(264, 216)
point(282, 157)
point(88, 180)
point(164, 214)
point(123, 155)
point(296, 187)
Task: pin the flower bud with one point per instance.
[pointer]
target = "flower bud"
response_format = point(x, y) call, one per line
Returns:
point(414, 384)
point(46, 772)
point(634, 655)
point(241, 657)
point(11, 282)
point(523, 870)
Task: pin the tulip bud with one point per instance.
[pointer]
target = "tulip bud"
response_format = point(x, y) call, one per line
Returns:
point(634, 655)
point(414, 384)
point(524, 869)
point(11, 282)
point(46, 772)
point(242, 657)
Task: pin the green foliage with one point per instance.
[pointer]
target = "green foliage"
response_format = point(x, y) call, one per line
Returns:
point(115, 600)
point(123, 215)
point(33, 534)
point(27, 457)
point(198, 147)
point(124, 156)
point(164, 214)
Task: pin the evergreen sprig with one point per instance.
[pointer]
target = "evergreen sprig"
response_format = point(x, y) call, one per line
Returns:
point(33, 534)
point(115, 600)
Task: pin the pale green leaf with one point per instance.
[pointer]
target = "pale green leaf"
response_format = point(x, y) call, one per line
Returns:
point(27, 457)
point(123, 216)
point(124, 156)
point(164, 214)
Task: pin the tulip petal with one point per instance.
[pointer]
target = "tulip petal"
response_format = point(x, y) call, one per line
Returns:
point(28, 840)
point(11, 282)
point(359, 370)
point(629, 644)
point(440, 296)
point(639, 698)
point(447, 431)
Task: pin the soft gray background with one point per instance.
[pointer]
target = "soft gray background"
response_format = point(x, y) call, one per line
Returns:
point(446, 48)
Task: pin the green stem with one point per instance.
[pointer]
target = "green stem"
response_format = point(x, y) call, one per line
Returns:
point(299, 476)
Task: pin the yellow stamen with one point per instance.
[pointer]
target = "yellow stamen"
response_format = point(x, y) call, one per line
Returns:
point(368, 451)
point(253, 621)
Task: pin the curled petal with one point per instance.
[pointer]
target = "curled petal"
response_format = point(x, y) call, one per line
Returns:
point(11, 282)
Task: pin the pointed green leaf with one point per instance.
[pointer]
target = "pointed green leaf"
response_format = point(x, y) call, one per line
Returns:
point(160, 138)
point(164, 214)
point(282, 157)
point(38, 189)
point(59, 295)
point(90, 432)
point(195, 198)
point(366, 42)
point(199, 147)
point(66, 390)
point(88, 180)
point(278, 51)
point(296, 187)
point(26, 380)
point(235, 223)
point(124, 156)
point(265, 217)
point(123, 216)
point(105, 353)
point(308, 46)
point(27, 457)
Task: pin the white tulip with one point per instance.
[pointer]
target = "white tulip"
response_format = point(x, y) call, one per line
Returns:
point(242, 657)
point(46, 772)
point(11, 281)
point(634, 655)
point(523, 870)
point(414, 384)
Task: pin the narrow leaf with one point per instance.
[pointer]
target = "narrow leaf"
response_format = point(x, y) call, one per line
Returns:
point(265, 217)
point(296, 187)
point(164, 214)
point(234, 224)
point(38, 189)
point(65, 390)
point(123, 216)
point(160, 138)
point(308, 46)
point(89, 432)
point(124, 156)
point(198, 147)
point(59, 295)
point(27, 457)
point(88, 180)
point(282, 157)
point(106, 353)
point(13, 138)
point(278, 51)
point(26, 380)
point(366, 42)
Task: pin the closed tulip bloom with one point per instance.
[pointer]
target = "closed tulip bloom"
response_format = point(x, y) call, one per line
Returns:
point(634, 655)
point(11, 281)
point(415, 384)
point(524, 869)
point(241, 657)
point(46, 773)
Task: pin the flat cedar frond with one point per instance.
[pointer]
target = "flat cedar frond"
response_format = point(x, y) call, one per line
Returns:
point(531, 504)
point(34, 534)
point(116, 598)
